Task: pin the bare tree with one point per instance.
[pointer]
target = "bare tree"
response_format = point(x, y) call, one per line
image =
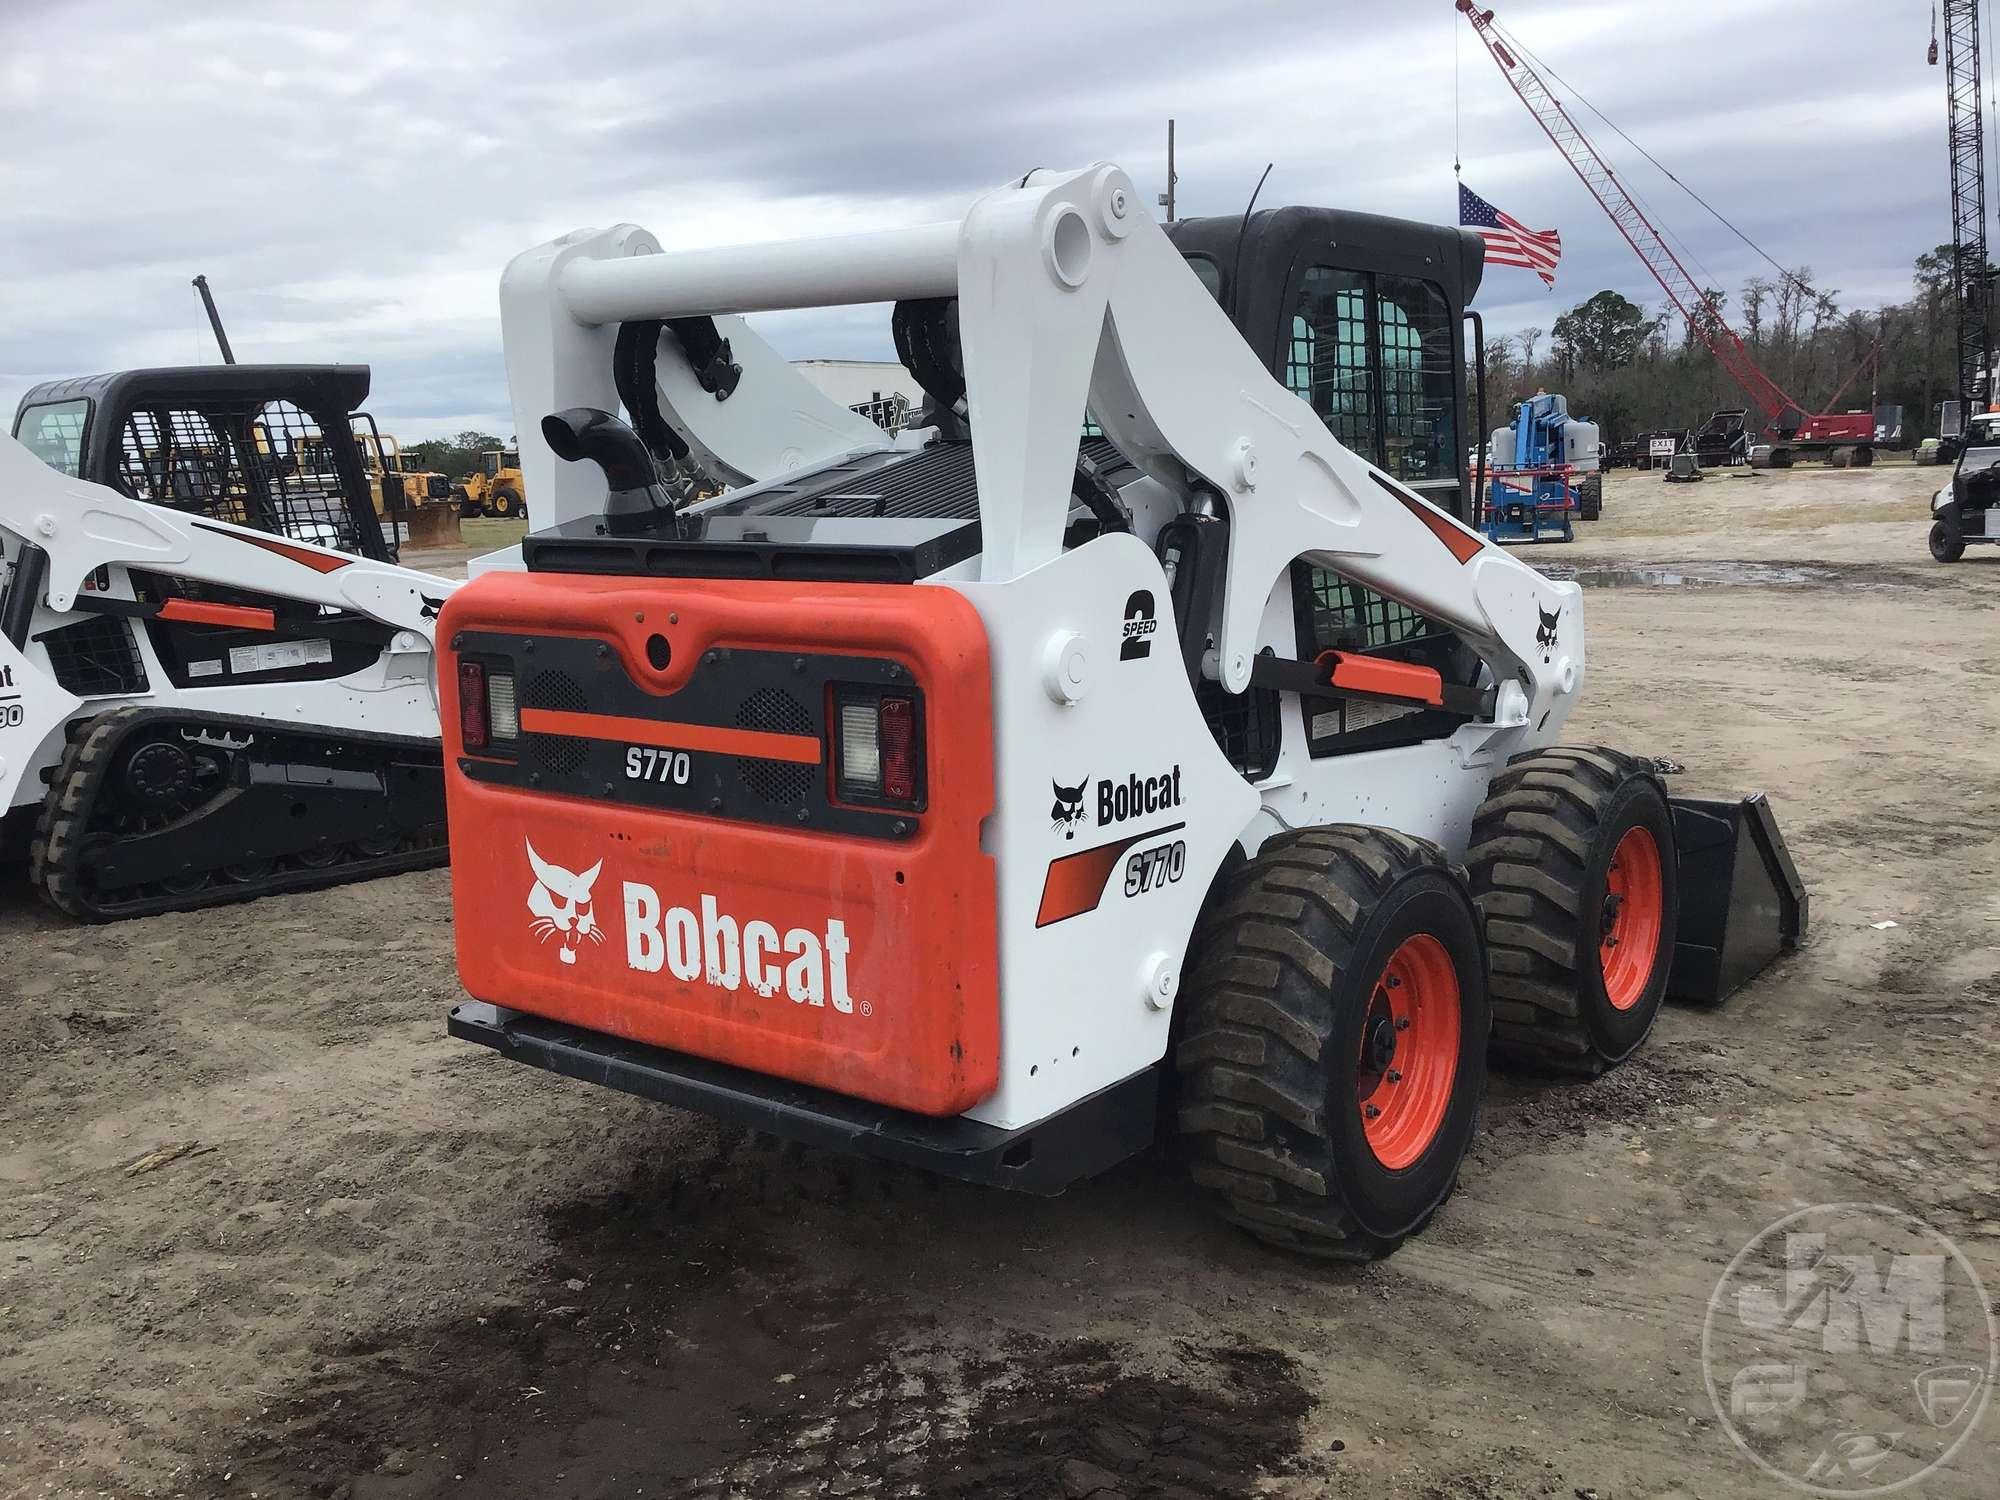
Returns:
point(1529, 339)
point(1756, 291)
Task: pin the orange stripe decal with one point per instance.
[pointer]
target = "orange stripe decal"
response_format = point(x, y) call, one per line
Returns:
point(1462, 544)
point(1075, 883)
point(194, 612)
point(319, 562)
point(758, 744)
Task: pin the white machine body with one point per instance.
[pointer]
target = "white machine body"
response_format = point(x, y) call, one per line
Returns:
point(1072, 300)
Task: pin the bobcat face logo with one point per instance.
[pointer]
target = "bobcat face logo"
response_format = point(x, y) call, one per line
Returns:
point(1068, 810)
point(560, 903)
point(1546, 636)
point(431, 606)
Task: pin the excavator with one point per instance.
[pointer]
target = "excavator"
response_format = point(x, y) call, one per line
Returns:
point(1140, 744)
point(215, 681)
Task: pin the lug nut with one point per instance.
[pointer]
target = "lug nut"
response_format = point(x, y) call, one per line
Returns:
point(1402, 1023)
point(1395, 1075)
point(1372, 1111)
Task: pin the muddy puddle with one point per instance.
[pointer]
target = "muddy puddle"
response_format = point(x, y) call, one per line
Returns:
point(1727, 574)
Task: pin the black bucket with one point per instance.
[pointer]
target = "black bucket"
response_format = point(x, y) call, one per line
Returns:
point(1742, 902)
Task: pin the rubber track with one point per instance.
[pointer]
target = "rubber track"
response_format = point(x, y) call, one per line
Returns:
point(1531, 841)
point(56, 865)
point(1260, 1010)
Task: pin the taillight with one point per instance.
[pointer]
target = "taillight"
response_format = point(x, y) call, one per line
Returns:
point(898, 737)
point(489, 720)
point(473, 728)
point(880, 757)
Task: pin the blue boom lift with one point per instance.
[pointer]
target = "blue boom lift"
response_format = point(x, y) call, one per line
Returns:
point(1540, 467)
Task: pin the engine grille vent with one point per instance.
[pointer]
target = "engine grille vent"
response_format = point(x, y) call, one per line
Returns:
point(559, 754)
point(95, 657)
point(773, 712)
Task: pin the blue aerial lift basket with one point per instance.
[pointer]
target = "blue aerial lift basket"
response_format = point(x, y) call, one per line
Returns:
point(1534, 497)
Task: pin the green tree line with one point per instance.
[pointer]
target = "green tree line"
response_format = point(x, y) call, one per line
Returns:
point(455, 457)
point(1632, 370)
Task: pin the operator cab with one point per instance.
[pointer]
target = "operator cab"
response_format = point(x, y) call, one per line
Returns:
point(263, 446)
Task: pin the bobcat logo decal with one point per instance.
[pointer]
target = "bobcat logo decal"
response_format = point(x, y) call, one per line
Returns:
point(560, 903)
point(1068, 810)
point(431, 607)
point(1546, 636)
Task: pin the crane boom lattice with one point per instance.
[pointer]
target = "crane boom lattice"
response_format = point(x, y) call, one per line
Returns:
point(1704, 318)
point(1967, 136)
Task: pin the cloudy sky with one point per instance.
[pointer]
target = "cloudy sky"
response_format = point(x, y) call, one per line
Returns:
point(352, 178)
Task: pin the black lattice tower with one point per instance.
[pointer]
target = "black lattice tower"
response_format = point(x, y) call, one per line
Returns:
point(1968, 199)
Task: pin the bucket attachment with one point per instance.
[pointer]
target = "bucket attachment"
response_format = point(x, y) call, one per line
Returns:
point(1742, 902)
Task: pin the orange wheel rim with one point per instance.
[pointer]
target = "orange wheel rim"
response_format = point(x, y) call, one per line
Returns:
point(1629, 924)
point(1409, 1052)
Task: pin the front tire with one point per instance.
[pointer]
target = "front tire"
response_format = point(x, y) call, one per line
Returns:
point(1575, 870)
point(1335, 1050)
point(504, 504)
point(1947, 546)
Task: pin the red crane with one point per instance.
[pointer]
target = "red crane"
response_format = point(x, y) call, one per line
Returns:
point(1792, 428)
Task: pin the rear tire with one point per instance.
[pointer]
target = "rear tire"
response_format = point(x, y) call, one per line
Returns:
point(503, 503)
point(1574, 867)
point(1947, 546)
point(1338, 972)
point(1590, 497)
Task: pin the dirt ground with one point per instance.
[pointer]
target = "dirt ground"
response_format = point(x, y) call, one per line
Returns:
point(265, 1230)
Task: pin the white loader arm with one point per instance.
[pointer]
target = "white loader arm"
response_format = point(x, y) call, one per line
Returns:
point(83, 526)
point(1069, 297)
point(1068, 291)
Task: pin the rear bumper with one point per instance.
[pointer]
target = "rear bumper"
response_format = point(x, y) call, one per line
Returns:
point(1089, 1137)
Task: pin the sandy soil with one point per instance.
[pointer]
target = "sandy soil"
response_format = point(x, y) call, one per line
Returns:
point(265, 1230)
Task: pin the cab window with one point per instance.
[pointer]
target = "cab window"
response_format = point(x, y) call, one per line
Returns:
point(53, 432)
point(1373, 357)
point(1208, 273)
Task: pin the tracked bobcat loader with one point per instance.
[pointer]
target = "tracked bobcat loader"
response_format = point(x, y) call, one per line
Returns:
point(214, 681)
point(995, 799)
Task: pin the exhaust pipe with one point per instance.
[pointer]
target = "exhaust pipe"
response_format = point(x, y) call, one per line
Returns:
point(637, 497)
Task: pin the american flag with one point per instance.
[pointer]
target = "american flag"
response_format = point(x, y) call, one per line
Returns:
point(1509, 242)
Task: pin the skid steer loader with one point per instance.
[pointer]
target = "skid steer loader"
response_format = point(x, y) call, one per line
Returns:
point(990, 799)
point(214, 682)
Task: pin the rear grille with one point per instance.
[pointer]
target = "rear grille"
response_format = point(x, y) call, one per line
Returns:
point(937, 482)
point(559, 754)
point(95, 657)
point(770, 711)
